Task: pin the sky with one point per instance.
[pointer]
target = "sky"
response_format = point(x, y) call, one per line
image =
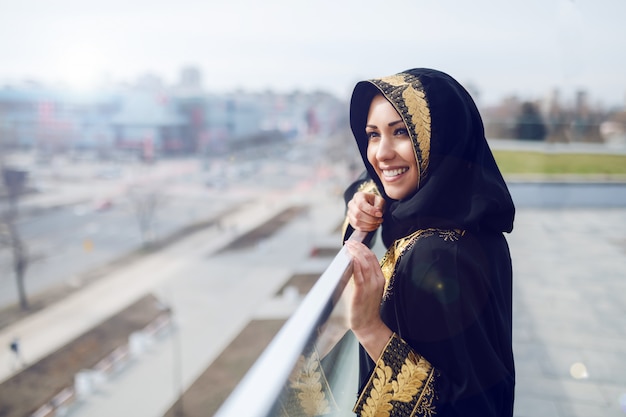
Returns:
point(498, 48)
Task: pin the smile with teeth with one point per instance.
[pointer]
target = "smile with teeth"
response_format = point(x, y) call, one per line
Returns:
point(390, 173)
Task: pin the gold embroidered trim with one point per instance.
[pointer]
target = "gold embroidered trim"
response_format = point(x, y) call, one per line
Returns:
point(308, 392)
point(411, 390)
point(390, 259)
point(406, 94)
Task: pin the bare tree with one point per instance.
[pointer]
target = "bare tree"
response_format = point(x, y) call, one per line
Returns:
point(146, 201)
point(11, 188)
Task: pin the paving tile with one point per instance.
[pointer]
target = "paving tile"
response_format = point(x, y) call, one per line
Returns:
point(615, 395)
point(581, 409)
point(534, 407)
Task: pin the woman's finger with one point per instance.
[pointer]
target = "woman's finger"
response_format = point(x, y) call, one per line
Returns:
point(361, 267)
point(365, 211)
point(360, 219)
point(370, 204)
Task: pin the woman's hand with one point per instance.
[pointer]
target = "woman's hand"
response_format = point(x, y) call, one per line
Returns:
point(365, 211)
point(369, 284)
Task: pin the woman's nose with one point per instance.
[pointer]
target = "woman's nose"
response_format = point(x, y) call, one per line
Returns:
point(385, 149)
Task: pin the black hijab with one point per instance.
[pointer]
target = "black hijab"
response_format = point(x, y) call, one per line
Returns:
point(460, 185)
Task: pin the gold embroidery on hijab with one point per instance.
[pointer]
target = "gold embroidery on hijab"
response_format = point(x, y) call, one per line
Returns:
point(419, 113)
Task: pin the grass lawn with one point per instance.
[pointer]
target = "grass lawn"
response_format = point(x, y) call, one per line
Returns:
point(527, 162)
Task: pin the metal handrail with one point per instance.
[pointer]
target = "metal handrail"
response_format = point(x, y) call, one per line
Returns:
point(257, 392)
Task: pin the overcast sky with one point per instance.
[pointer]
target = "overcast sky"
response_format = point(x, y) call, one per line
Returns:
point(501, 47)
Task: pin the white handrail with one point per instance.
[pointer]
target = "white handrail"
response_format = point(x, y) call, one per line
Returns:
point(258, 391)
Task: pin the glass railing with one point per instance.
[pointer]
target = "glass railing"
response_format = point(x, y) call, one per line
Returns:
point(311, 367)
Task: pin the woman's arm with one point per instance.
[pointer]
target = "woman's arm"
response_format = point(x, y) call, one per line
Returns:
point(402, 382)
point(369, 284)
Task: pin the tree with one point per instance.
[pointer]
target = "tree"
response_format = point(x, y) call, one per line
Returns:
point(145, 203)
point(529, 124)
point(13, 182)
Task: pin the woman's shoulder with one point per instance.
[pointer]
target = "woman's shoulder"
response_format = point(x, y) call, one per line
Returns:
point(425, 238)
point(443, 247)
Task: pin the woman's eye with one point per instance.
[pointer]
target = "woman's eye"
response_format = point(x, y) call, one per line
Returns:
point(371, 135)
point(401, 131)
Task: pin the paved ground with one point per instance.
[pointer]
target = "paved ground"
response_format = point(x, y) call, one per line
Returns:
point(570, 312)
point(570, 309)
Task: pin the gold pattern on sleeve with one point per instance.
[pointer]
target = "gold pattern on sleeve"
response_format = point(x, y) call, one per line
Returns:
point(401, 384)
point(411, 378)
point(378, 404)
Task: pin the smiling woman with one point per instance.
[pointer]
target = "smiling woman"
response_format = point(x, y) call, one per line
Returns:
point(433, 316)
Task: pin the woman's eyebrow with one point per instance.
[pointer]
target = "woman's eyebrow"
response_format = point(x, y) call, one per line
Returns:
point(390, 124)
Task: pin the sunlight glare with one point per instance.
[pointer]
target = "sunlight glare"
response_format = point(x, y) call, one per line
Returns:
point(578, 370)
point(82, 66)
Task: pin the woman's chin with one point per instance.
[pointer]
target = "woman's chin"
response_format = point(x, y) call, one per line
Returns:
point(398, 193)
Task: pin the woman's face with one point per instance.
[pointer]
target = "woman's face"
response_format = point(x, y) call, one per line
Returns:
point(390, 150)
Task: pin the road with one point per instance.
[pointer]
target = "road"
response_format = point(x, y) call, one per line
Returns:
point(66, 243)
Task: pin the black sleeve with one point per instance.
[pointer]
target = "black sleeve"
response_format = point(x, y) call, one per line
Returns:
point(450, 314)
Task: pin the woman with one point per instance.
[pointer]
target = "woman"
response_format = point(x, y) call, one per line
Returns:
point(433, 318)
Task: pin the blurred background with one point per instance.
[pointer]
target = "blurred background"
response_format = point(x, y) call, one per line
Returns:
point(139, 139)
point(154, 79)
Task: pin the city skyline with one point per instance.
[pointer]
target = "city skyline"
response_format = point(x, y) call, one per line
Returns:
point(524, 49)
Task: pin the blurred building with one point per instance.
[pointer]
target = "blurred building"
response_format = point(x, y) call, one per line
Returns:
point(147, 124)
point(52, 121)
